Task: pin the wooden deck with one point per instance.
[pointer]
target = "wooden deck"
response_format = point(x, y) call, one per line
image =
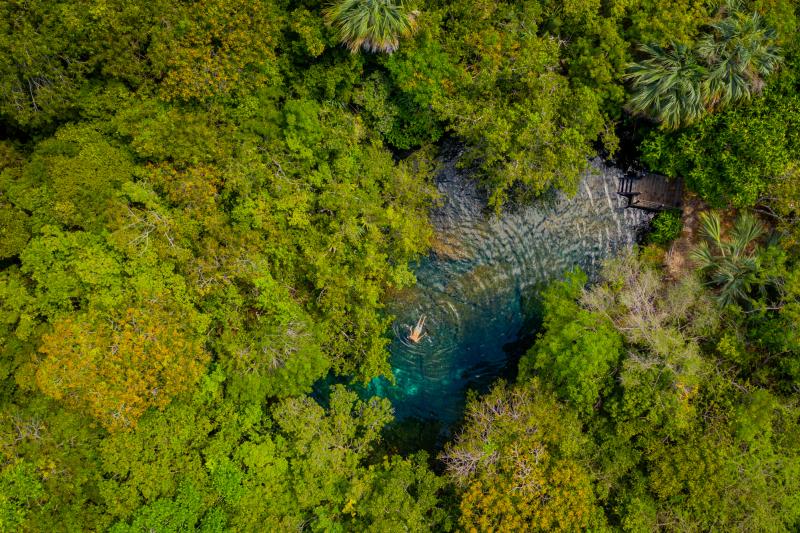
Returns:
point(652, 192)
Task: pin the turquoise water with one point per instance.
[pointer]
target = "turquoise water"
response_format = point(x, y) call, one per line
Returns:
point(478, 289)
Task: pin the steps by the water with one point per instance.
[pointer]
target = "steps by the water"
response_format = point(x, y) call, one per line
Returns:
point(651, 192)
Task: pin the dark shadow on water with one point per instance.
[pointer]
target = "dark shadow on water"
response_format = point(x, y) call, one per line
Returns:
point(533, 314)
point(411, 434)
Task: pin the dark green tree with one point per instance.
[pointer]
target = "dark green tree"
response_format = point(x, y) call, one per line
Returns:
point(579, 349)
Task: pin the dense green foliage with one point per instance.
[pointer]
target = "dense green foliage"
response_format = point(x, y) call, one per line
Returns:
point(205, 204)
point(735, 155)
point(665, 227)
point(683, 433)
point(577, 351)
point(520, 464)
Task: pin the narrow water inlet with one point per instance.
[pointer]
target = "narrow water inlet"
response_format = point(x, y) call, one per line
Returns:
point(478, 288)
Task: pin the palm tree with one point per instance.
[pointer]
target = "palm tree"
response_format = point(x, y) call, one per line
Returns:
point(374, 25)
point(678, 85)
point(731, 262)
point(740, 53)
point(668, 85)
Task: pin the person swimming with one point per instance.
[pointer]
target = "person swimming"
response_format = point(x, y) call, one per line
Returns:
point(416, 334)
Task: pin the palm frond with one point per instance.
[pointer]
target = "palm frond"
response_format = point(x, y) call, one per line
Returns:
point(711, 229)
point(702, 257)
point(739, 52)
point(746, 230)
point(371, 25)
point(728, 261)
point(667, 85)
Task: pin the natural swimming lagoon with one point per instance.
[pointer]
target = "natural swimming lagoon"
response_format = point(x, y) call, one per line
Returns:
point(478, 288)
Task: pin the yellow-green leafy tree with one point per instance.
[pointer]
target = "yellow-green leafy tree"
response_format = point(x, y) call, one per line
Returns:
point(116, 366)
point(520, 466)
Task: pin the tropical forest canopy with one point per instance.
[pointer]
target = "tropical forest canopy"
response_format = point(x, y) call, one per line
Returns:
point(205, 204)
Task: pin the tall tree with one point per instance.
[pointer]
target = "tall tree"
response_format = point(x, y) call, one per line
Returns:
point(740, 52)
point(676, 86)
point(118, 366)
point(374, 25)
point(668, 85)
point(519, 464)
point(579, 349)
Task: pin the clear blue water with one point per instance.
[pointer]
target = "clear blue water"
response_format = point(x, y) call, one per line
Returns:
point(478, 288)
